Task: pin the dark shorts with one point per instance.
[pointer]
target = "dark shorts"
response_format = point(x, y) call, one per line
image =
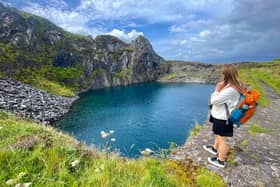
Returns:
point(220, 127)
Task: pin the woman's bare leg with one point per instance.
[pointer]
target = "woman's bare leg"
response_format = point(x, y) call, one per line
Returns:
point(222, 148)
point(216, 145)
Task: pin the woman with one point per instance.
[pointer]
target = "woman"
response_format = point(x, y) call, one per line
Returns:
point(224, 99)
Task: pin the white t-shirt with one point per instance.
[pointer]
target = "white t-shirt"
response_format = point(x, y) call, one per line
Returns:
point(228, 95)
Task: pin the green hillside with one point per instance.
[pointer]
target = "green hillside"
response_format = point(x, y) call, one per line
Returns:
point(254, 74)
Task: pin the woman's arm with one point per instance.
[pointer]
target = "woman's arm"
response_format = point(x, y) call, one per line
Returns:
point(218, 98)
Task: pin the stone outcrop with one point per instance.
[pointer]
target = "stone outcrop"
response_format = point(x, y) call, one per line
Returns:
point(26, 101)
point(117, 63)
point(189, 72)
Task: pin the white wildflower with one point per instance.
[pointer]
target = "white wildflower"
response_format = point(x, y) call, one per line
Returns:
point(28, 184)
point(105, 134)
point(147, 152)
point(18, 185)
point(75, 163)
point(10, 182)
point(113, 139)
point(20, 175)
point(1, 127)
point(112, 131)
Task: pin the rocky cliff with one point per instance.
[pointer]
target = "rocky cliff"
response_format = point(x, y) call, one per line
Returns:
point(31, 46)
point(189, 72)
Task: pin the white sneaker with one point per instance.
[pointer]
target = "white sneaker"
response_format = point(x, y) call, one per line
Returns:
point(216, 162)
point(210, 149)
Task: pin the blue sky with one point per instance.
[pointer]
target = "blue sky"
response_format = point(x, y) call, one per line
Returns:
point(213, 31)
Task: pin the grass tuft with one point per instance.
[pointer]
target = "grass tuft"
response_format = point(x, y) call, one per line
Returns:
point(256, 129)
point(244, 142)
point(209, 179)
point(195, 130)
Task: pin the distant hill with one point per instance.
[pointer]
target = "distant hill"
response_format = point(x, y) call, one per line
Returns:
point(190, 72)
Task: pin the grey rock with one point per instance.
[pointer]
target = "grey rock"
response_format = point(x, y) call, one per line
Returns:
point(32, 103)
point(189, 72)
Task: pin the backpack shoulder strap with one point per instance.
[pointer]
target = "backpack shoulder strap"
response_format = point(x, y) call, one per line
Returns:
point(227, 111)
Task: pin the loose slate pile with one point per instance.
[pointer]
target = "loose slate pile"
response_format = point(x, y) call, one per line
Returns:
point(27, 101)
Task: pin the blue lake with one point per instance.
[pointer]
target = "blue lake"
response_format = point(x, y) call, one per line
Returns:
point(148, 115)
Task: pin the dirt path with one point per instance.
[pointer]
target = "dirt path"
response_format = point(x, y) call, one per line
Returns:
point(254, 159)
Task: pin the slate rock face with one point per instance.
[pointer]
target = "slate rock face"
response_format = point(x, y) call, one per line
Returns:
point(26, 101)
point(65, 59)
point(189, 72)
point(105, 60)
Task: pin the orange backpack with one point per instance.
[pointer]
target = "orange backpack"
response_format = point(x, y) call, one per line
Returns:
point(246, 108)
point(251, 98)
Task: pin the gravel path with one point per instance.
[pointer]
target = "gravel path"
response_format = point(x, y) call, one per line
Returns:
point(254, 159)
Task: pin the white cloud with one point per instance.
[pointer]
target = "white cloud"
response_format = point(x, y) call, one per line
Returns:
point(198, 30)
point(239, 36)
point(177, 28)
point(70, 20)
point(133, 24)
point(154, 11)
point(204, 34)
point(224, 43)
point(125, 36)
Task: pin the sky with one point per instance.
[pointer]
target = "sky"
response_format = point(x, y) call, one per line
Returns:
point(212, 31)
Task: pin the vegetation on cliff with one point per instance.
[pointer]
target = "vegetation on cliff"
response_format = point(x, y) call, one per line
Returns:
point(254, 74)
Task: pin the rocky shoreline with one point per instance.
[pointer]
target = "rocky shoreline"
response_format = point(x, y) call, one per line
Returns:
point(32, 103)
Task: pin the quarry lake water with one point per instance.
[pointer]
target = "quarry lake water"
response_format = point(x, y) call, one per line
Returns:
point(148, 115)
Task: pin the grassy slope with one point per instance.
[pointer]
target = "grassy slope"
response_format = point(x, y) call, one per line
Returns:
point(35, 66)
point(45, 156)
point(55, 80)
point(268, 72)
